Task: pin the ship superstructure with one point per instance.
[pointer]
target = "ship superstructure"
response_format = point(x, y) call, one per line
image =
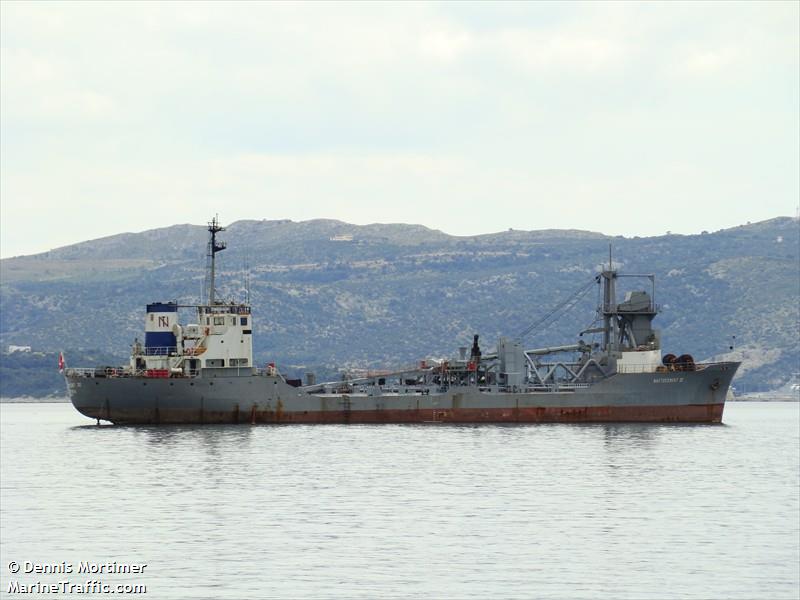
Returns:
point(221, 337)
point(622, 377)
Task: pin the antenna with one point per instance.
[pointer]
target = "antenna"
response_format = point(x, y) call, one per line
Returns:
point(246, 278)
point(213, 247)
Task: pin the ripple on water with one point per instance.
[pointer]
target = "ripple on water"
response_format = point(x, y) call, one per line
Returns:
point(550, 511)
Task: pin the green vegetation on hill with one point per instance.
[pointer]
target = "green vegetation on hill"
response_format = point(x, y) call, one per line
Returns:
point(36, 373)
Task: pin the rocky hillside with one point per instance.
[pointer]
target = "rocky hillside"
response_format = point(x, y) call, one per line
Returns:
point(331, 295)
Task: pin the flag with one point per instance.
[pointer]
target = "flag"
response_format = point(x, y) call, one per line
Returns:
point(60, 362)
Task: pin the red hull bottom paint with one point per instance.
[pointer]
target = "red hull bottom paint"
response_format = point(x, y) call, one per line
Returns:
point(692, 413)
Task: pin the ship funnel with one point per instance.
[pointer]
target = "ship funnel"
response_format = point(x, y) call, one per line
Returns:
point(159, 338)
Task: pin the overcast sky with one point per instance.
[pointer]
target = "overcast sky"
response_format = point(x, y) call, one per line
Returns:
point(624, 118)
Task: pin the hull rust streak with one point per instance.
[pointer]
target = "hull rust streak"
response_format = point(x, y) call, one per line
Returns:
point(711, 413)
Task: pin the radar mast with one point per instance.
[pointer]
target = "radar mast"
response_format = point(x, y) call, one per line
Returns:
point(213, 247)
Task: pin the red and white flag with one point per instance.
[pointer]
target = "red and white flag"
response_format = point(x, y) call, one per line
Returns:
point(60, 362)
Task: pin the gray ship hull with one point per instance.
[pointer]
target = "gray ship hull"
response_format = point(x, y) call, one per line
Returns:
point(691, 397)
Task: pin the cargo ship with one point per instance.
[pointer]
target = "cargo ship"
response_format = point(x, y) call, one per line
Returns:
point(203, 372)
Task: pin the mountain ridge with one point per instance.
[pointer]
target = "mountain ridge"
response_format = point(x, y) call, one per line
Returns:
point(395, 293)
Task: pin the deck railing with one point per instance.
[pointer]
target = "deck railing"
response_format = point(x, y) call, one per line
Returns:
point(664, 369)
point(160, 350)
point(148, 373)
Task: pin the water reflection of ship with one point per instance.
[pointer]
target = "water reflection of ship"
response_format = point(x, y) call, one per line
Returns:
point(213, 440)
point(624, 438)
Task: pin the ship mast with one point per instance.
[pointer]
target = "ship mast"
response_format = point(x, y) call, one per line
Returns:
point(609, 308)
point(213, 247)
point(627, 324)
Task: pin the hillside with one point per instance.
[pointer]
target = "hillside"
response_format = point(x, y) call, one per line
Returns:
point(396, 293)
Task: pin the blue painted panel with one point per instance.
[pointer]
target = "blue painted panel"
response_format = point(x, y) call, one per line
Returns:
point(163, 340)
point(162, 307)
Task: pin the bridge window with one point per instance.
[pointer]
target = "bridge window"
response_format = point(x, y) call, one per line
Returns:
point(243, 321)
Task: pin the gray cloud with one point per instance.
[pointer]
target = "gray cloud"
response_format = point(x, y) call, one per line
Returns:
point(626, 118)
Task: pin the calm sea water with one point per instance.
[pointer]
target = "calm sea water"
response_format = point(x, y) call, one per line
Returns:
point(542, 511)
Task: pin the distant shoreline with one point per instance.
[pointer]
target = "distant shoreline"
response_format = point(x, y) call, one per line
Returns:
point(34, 400)
point(765, 398)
